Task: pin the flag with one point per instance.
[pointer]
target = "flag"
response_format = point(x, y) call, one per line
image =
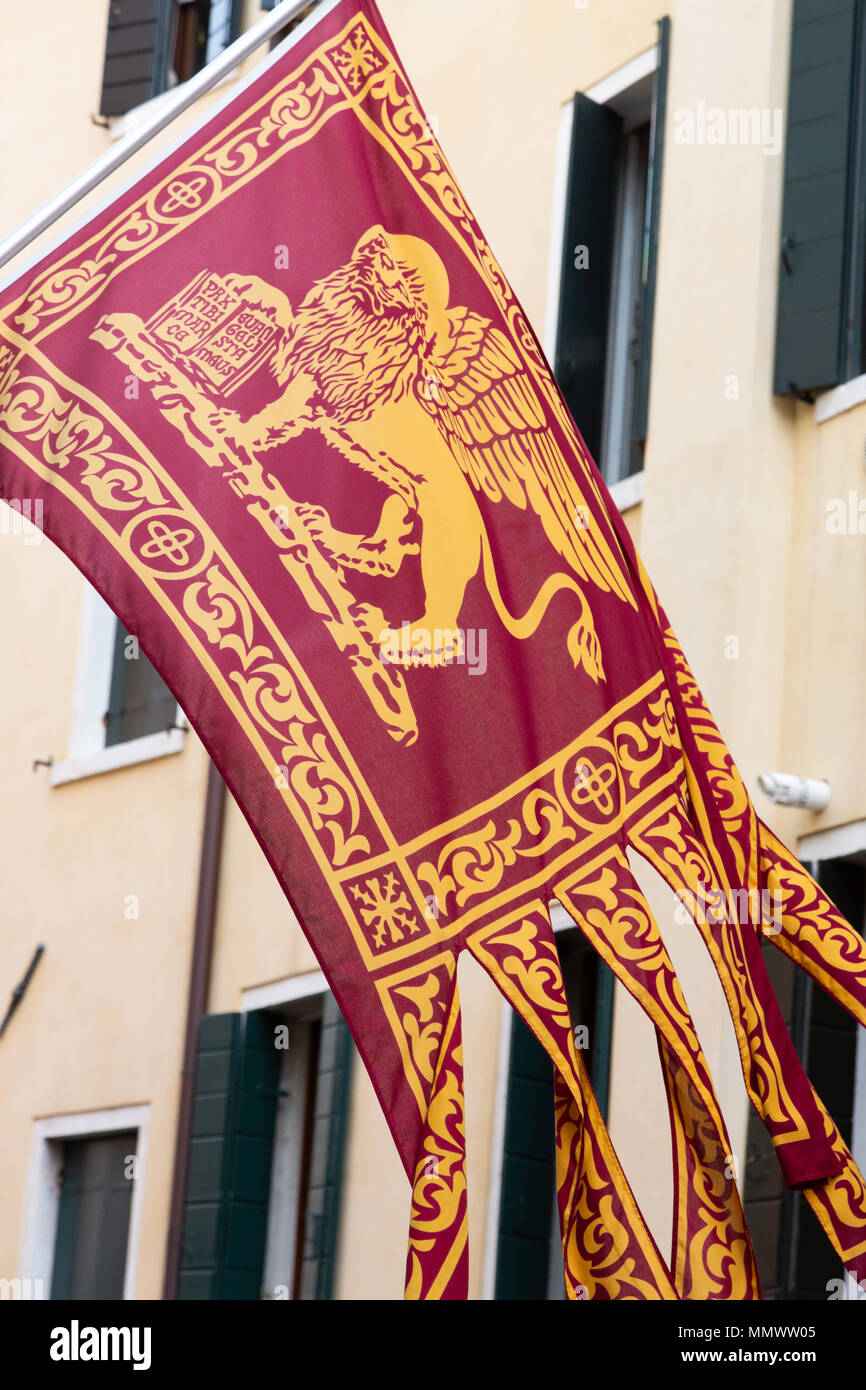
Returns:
point(282, 409)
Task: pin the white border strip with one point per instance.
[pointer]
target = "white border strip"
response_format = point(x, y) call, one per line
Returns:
point(557, 230)
point(628, 492)
point(834, 843)
point(117, 755)
point(93, 663)
point(284, 991)
point(497, 1147)
point(622, 78)
point(839, 399)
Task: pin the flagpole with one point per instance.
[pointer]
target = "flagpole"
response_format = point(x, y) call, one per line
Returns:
point(182, 97)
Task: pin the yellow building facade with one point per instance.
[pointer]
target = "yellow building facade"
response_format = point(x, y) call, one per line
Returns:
point(745, 509)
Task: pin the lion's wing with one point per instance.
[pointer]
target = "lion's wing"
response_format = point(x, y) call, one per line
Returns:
point(486, 407)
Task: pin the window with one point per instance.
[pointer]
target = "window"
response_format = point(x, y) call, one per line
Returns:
point(309, 1140)
point(122, 711)
point(821, 316)
point(154, 44)
point(607, 283)
point(82, 1214)
point(93, 1217)
point(622, 440)
point(529, 1259)
point(794, 1258)
point(262, 1207)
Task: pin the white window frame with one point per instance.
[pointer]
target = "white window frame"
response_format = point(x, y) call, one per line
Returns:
point(42, 1201)
point(87, 754)
point(628, 240)
point(839, 842)
point(613, 90)
point(296, 992)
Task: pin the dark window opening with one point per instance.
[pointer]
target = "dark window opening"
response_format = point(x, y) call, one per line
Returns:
point(623, 432)
point(795, 1259)
point(529, 1260)
point(139, 702)
point(189, 41)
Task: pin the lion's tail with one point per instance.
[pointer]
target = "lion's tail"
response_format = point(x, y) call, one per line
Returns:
point(584, 647)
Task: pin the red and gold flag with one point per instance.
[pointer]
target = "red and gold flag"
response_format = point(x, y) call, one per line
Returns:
point(283, 411)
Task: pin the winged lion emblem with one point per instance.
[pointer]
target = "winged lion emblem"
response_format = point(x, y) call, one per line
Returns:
point(432, 401)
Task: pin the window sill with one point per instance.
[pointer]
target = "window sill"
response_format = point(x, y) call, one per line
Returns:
point(137, 750)
point(839, 399)
point(119, 126)
point(628, 492)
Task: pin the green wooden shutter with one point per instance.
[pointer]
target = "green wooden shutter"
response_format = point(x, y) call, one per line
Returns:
point(93, 1218)
point(325, 1184)
point(584, 296)
point(228, 1185)
point(814, 271)
point(135, 53)
point(649, 256)
point(528, 1171)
